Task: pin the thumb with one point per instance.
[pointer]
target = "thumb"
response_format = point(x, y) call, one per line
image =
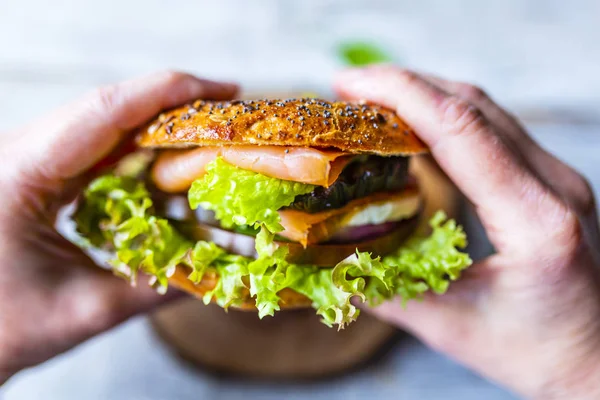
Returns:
point(69, 141)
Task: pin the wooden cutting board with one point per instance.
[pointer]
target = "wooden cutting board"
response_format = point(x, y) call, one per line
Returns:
point(292, 344)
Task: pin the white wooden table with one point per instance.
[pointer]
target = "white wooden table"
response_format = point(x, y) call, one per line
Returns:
point(532, 53)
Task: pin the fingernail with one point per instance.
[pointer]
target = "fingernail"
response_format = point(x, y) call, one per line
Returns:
point(219, 85)
point(224, 88)
point(229, 85)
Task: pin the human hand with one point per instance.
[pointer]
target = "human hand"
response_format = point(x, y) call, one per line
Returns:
point(527, 317)
point(52, 296)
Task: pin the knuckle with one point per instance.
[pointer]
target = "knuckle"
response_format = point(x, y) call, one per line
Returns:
point(406, 76)
point(459, 116)
point(574, 188)
point(173, 77)
point(569, 236)
point(553, 220)
point(105, 99)
point(564, 231)
point(583, 197)
point(472, 92)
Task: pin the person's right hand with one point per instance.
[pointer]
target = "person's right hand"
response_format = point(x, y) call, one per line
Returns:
point(528, 316)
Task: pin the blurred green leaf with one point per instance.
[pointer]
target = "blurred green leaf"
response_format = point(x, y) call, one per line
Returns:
point(362, 53)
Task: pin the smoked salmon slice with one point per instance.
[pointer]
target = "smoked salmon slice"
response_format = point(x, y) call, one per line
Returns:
point(175, 170)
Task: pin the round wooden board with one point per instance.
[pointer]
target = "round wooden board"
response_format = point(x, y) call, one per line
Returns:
point(292, 344)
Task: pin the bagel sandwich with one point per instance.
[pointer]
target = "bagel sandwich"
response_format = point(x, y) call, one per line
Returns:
point(274, 204)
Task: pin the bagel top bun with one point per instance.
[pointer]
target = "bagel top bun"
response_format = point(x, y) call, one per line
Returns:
point(349, 127)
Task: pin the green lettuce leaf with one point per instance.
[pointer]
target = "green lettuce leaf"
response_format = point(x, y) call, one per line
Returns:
point(241, 197)
point(331, 302)
point(230, 289)
point(116, 214)
point(270, 273)
point(423, 263)
point(202, 257)
point(430, 262)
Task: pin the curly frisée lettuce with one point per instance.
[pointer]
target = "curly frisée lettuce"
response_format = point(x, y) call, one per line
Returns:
point(116, 214)
point(421, 264)
point(241, 197)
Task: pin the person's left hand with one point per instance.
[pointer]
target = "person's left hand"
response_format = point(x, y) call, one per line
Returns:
point(52, 296)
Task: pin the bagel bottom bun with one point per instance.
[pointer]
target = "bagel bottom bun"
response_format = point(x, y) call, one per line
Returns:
point(293, 344)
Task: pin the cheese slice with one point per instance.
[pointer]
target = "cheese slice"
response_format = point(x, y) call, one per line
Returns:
point(377, 208)
point(175, 170)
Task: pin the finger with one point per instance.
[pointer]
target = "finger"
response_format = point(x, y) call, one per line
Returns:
point(76, 137)
point(478, 97)
point(124, 148)
point(443, 322)
point(441, 328)
point(104, 301)
point(456, 323)
point(468, 148)
point(564, 180)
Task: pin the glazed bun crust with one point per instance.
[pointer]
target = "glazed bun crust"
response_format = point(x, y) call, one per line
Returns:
point(349, 127)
